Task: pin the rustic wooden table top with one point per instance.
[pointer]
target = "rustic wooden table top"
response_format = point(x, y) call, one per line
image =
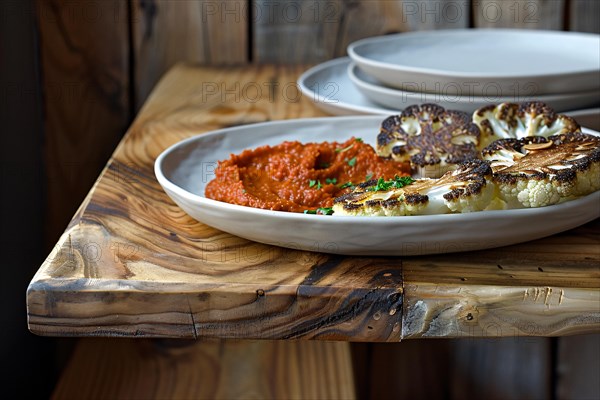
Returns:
point(132, 263)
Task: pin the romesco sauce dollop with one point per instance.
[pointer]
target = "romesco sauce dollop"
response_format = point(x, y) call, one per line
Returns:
point(294, 176)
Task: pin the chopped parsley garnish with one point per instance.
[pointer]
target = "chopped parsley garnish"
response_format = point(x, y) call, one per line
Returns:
point(352, 162)
point(347, 185)
point(331, 181)
point(316, 184)
point(368, 177)
point(324, 165)
point(320, 211)
point(359, 140)
point(395, 183)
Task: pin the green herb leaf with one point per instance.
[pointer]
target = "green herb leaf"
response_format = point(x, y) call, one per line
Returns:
point(312, 183)
point(331, 181)
point(347, 185)
point(368, 177)
point(319, 186)
point(402, 181)
point(397, 182)
point(381, 185)
point(352, 162)
point(320, 211)
point(359, 140)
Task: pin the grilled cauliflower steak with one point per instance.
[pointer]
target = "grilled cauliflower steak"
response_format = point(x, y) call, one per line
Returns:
point(433, 139)
point(537, 171)
point(516, 121)
point(466, 189)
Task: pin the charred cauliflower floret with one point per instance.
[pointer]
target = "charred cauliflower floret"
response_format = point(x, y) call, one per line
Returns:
point(516, 121)
point(433, 139)
point(466, 189)
point(537, 171)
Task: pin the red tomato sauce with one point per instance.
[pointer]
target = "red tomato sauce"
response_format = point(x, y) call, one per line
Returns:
point(293, 176)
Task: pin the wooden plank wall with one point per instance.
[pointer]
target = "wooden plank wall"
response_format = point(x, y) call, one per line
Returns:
point(583, 16)
point(207, 369)
point(84, 53)
point(522, 14)
point(196, 31)
point(469, 368)
point(326, 28)
point(100, 60)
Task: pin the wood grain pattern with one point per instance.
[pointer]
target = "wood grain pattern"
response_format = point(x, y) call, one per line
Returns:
point(84, 57)
point(524, 14)
point(583, 16)
point(558, 303)
point(495, 311)
point(195, 31)
point(435, 14)
point(132, 263)
point(215, 369)
point(327, 28)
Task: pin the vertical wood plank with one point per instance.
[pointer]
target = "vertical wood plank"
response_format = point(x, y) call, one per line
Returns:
point(584, 16)
point(196, 31)
point(412, 369)
point(578, 367)
point(468, 368)
point(524, 14)
point(295, 32)
point(220, 369)
point(313, 31)
point(435, 14)
point(84, 56)
point(503, 369)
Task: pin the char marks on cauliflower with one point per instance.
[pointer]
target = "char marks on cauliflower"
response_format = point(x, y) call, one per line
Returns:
point(466, 189)
point(432, 139)
point(515, 121)
point(537, 171)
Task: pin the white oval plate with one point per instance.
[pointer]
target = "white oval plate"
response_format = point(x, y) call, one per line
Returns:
point(473, 60)
point(396, 98)
point(184, 169)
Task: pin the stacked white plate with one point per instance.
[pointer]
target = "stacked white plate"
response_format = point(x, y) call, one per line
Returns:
point(461, 69)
